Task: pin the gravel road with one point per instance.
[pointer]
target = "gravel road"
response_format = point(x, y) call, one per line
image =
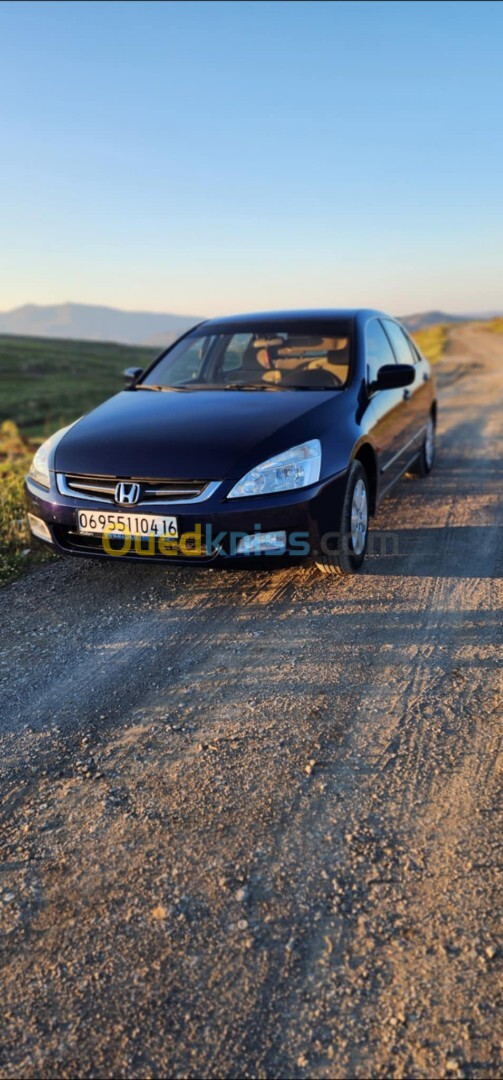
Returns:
point(249, 821)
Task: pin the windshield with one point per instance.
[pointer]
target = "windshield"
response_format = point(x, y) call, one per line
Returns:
point(303, 356)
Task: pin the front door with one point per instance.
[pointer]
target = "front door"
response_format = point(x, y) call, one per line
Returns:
point(416, 396)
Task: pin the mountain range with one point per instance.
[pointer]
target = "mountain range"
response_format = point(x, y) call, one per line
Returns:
point(87, 322)
point(93, 323)
point(423, 319)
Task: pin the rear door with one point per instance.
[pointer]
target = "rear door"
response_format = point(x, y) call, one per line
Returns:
point(416, 397)
point(389, 416)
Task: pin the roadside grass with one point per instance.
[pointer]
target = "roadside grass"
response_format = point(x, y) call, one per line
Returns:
point(16, 552)
point(46, 383)
point(432, 341)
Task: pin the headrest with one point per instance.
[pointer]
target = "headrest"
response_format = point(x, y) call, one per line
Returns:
point(267, 343)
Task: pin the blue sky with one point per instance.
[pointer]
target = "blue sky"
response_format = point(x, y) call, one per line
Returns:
point(215, 157)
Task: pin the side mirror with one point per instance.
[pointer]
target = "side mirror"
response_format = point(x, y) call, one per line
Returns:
point(393, 376)
point(131, 374)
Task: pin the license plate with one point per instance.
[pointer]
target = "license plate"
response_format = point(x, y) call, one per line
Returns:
point(96, 523)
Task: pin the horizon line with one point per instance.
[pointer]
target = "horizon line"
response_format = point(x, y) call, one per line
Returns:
point(185, 315)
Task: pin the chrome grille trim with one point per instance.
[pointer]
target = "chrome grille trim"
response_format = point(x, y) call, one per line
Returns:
point(106, 488)
point(159, 493)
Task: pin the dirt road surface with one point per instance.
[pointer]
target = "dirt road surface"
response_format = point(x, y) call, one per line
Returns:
point(249, 821)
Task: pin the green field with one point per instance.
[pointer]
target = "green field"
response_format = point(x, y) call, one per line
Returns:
point(46, 382)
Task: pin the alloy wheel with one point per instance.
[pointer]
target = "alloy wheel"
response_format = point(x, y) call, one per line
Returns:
point(359, 517)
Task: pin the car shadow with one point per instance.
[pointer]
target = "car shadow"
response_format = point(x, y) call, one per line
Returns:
point(461, 551)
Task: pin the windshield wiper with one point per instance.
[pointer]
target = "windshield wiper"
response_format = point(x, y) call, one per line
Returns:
point(150, 386)
point(229, 386)
point(252, 386)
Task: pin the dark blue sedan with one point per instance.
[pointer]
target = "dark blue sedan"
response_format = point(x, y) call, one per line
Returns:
point(253, 439)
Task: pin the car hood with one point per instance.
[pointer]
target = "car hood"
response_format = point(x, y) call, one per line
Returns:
point(203, 435)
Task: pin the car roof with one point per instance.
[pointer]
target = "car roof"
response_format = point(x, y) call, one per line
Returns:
point(297, 315)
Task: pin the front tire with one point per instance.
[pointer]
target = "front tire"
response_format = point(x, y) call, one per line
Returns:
point(349, 551)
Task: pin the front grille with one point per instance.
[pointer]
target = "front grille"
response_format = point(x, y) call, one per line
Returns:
point(102, 488)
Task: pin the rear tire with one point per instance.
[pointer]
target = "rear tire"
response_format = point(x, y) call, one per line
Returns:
point(426, 458)
point(349, 551)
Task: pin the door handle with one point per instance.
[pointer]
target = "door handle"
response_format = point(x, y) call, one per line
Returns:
point(406, 395)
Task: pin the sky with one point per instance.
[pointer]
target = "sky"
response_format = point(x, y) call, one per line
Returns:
point(208, 158)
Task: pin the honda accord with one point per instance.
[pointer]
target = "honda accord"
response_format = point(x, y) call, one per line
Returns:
point(252, 439)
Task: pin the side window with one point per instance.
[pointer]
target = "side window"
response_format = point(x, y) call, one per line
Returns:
point(403, 349)
point(415, 351)
point(378, 349)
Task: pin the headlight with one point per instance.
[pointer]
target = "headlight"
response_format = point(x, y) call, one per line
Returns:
point(39, 468)
point(296, 468)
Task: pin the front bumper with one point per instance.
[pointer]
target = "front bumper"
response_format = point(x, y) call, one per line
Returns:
point(211, 528)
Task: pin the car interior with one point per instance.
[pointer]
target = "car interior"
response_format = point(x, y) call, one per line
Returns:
point(283, 361)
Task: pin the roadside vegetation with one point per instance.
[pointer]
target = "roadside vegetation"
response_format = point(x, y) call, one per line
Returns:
point(494, 325)
point(45, 384)
point(16, 453)
point(432, 341)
